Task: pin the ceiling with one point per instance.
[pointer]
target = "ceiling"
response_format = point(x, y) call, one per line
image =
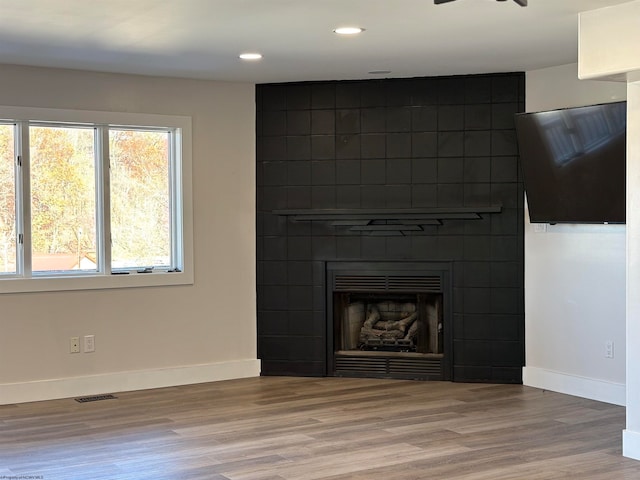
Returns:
point(202, 38)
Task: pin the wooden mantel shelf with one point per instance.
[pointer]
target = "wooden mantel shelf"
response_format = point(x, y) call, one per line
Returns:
point(388, 219)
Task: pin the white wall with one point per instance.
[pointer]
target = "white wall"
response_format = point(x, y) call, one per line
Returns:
point(147, 337)
point(574, 275)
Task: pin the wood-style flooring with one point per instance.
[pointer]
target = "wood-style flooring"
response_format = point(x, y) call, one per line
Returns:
point(273, 428)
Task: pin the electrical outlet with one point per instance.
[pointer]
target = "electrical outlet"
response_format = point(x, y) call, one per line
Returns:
point(74, 345)
point(608, 349)
point(89, 343)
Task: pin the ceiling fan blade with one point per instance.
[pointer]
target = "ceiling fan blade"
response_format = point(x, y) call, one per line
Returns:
point(439, 2)
point(522, 3)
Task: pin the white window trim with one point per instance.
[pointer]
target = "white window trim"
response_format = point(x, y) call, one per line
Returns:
point(90, 281)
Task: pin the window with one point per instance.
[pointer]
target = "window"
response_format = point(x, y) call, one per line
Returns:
point(93, 200)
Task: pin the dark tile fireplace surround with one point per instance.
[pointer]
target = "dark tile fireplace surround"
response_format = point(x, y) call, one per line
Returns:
point(390, 228)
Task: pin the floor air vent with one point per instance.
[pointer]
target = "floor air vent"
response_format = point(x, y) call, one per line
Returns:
point(95, 398)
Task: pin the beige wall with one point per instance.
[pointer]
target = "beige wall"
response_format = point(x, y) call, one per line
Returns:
point(174, 334)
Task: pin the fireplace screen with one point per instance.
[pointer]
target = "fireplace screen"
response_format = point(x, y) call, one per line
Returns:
point(376, 322)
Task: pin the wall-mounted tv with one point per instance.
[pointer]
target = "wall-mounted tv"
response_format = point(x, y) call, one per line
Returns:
point(574, 163)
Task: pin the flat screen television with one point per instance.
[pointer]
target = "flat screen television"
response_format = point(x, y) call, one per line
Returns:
point(574, 163)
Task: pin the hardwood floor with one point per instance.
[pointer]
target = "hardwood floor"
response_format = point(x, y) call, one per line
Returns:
point(273, 428)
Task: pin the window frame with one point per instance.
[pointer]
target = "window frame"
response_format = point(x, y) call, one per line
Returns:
point(180, 185)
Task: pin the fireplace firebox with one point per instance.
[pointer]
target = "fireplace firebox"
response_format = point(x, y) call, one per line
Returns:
point(389, 319)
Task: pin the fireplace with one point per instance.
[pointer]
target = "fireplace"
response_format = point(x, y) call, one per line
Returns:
point(389, 319)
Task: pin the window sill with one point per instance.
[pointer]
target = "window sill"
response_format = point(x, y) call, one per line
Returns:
point(93, 282)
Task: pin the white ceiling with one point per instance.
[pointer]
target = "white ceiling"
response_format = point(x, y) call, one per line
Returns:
point(202, 38)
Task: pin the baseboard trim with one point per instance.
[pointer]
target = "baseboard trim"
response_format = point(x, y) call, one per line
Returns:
point(126, 381)
point(631, 444)
point(593, 389)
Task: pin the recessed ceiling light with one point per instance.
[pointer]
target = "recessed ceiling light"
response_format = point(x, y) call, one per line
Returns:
point(379, 72)
point(250, 56)
point(348, 30)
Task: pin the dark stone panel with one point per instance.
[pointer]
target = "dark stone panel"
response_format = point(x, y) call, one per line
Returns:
point(273, 97)
point(503, 115)
point(273, 148)
point(274, 173)
point(505, 88)
point(298, 122)
point(507, 300)
point(398, 119)
point(504, 169)
point(477, 169)
point(424, 119)
point(504, 142)
point(398, 171)
point(506, 274)
point(397, 196)
point(450, 170)
point(348, 196)
point(347, 95)
point(274, 297)
point(477, 274)
point(273, 225)
point(348, 146)
point(323, 197)
point(323, 122)
point(298, 173)
point(300, 273)
point(477, 117)
point(477, 194)
point(374, 248)
point(274, 123)
point(451, 90)
point(300, 369)
point(451, 117)
point(298, 148)
point(298, 96)
point(323, 95)
point(348, 172)
point(478, 327)
point(373, 120)
point(398, 145)
point(274, 248)
point(373, 145)
point(477, 143)
point(323, 147)
point(424, 170)
point(450, 195)
point(373, 172)
point(323, 172)
point(456, 154)
point(348, 121)
point(424, 196)
point(301, 323)
point(506, 327)
point(299, 248)
point(424, 145)
point(274, 273)
point(398, 247)
point(273, 323)
point(300, 297)
point(348, 247)
point(297, 197)
point(477, 89)
point(424, 247)
point(373, 94)
point(477, 300)
point(477, 248)
point(451, 144)
point(450, 247)
point(371, 197)
point(324, 248)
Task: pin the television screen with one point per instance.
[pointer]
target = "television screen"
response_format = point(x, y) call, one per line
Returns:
point(574, 163)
